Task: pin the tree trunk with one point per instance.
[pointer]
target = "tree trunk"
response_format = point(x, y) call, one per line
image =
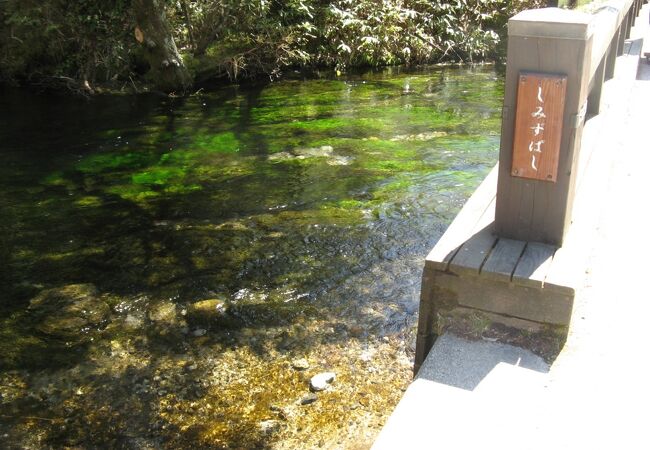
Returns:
point(153, 32)
point(188, 23)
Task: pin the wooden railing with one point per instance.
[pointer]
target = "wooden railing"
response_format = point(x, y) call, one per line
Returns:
point(507, 268)
point(582, 48)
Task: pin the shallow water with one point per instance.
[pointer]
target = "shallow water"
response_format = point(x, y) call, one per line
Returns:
point(165, 260)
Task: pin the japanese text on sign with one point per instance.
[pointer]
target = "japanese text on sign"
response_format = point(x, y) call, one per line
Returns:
point(538, 126)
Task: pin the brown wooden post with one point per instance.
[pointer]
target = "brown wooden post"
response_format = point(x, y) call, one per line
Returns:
point(610, 65)
point(596, 88)
point(630, 22)
point(426, 334)
point(622, 35)
point(558, 42)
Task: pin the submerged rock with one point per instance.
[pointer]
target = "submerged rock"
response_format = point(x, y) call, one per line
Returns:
point(166, 319)
point(323, 151)
point(134, 321)
point(211, 309)
point(269, 426)
point(337, 160)
point(281, 156)
point(321, 381)
point(164, 313)
point(199, 332)
point(419, 137)
point(214, 312)
point(300, 364)
point(308, 399)
point(70, 312)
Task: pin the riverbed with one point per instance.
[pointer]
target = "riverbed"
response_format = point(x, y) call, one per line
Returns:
point(175, 270)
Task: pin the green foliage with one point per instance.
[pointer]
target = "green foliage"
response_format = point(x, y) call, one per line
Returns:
point(260, 37)
point(81, 40)
point(378, 33)
point(243, 38)
point(89, 40)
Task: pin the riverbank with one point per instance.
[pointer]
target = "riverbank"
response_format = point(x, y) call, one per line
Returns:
point(82, 47)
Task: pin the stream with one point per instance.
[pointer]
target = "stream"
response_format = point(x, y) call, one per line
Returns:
point(173, 271)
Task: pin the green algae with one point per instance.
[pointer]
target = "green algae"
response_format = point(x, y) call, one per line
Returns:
point(110, 161)
point(134, 193)
point(158, 175)
point(304, 206)
point(89, 201)
point(56, 179)
point(225, 142)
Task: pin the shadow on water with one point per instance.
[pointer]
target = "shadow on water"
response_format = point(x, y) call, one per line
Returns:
point(167, 259)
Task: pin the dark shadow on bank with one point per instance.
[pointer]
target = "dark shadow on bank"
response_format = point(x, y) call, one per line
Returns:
point(464, 363)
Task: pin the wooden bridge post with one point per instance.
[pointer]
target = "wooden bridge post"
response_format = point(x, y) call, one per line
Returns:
point(491, 273)
point(544, 41)
point(611, 56)
point(622, 35)
point(630, 22)
point(596, 89)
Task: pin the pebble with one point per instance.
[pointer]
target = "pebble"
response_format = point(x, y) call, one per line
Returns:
point(199, 332)
point(133, 322)
point(210, 309)
point(300, 364)
point(308, 399)
point(321, 381)
point(366, 355)
point(269, 426)
point(163, 313)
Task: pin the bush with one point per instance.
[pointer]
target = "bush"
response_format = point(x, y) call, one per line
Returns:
point(81, 40)
point(260, 37)
point(93, 41)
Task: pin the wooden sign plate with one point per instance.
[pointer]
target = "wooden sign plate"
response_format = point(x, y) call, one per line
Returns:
point(538, 125)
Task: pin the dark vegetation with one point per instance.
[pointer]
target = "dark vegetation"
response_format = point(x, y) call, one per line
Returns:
point(174, 45)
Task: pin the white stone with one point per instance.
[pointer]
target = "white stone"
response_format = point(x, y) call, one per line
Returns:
point(321, 381)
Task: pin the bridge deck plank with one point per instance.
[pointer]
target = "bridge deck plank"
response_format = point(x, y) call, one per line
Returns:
point(473, 253)
point(534, 265)
point(503, 260)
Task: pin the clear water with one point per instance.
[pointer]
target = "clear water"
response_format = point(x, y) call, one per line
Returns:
point(302, 210)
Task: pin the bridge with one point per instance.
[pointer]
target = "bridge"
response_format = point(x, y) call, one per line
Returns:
point(534, 309)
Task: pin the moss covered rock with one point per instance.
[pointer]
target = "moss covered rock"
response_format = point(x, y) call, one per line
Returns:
point(210, 309)
point(70, 312)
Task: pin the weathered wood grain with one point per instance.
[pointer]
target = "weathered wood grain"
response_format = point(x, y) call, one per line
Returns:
point(427, 327)
point(539, 305)
point(534, 264)
point(477, 247)
point(538, 125)
point(515, 195)
point(503, 259)
point(538, 211)
point(553, 202)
